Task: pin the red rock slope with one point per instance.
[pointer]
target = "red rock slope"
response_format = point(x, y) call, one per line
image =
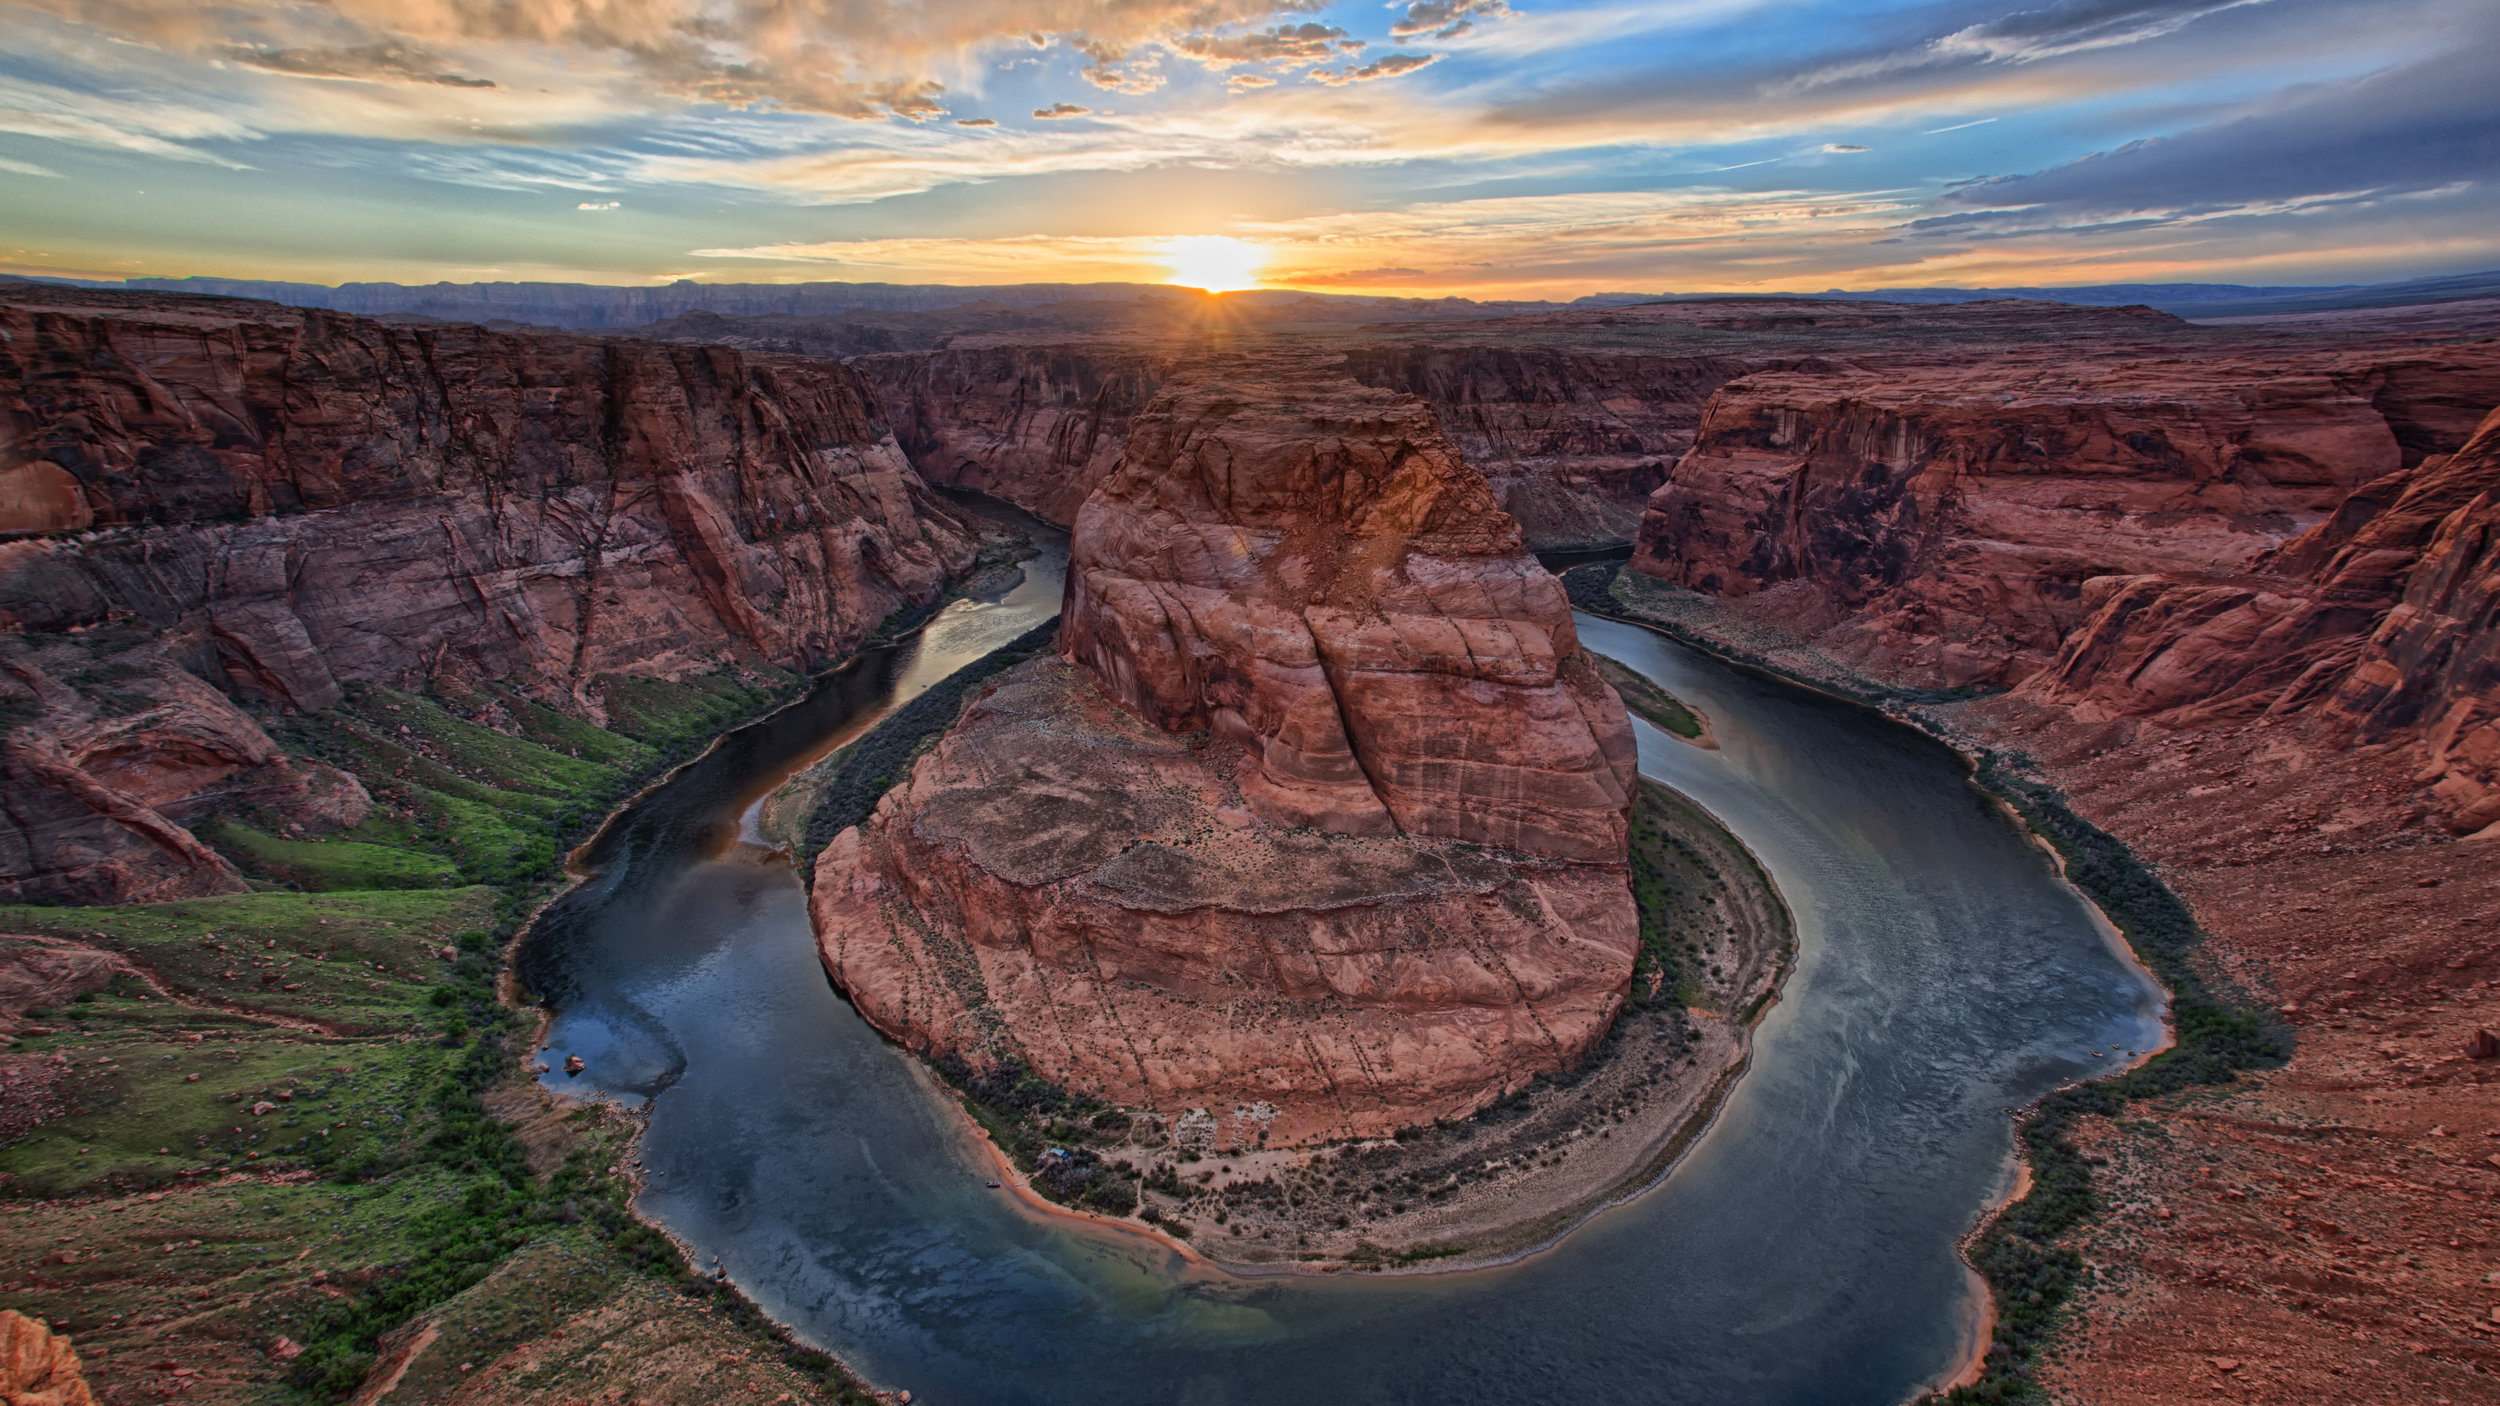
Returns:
point(1319, 829)
point(2380, 624)
point(248, 504)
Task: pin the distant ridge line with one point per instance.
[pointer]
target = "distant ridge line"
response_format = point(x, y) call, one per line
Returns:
point(593, 306)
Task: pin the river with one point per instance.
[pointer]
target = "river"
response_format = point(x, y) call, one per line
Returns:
point(1804, 1252)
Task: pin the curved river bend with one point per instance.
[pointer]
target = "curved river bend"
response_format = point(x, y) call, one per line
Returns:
point(1803, 1252)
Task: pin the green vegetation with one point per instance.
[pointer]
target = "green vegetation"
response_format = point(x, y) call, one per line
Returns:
point(321, 866)
point(1648, 700)
point(1669, 878)
point(300, 1077)
point(1050, 1134)
point(2219, 1035)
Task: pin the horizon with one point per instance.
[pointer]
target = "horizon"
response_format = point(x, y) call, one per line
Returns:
point(1431, 148)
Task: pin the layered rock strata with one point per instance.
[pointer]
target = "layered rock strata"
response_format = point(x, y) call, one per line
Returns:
point(1038, 426)
point(1938, 525)
point(245, 507)
point(2381, 623)
point(1318, 829)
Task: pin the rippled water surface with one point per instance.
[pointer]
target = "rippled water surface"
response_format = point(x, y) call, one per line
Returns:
point(1804, 1252)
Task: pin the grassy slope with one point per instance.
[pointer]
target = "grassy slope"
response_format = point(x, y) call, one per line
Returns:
point(154, 1215)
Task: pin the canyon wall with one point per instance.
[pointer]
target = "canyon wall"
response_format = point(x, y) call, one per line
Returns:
point(1036, 425)
point(2178, 537)
point(1572, 440)
point(1318, 829)
point(2381, 623)
point(237, 508)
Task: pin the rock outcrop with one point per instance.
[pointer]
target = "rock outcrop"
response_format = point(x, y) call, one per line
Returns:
point(1317, 831)
point(1573, 439)
point(2381, 623)
point(1038, 426)
point(2184, 538)
point(251, 505)
point(37, 1365)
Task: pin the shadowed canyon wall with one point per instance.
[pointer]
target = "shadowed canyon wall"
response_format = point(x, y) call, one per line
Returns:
point(1318, 829)
point(245, 507)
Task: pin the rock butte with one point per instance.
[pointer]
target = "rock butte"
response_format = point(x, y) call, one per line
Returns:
point(1317, 830)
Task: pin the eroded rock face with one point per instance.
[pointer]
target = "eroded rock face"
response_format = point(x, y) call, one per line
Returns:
point(37, 1365)
point(1308, 568)
point(1939, 524)
point(1038, 426)
point(1062, 884)
point(282, 501)
point(2381, 623)
point(1318, 829)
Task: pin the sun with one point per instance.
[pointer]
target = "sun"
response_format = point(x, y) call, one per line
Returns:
point(1215, 262)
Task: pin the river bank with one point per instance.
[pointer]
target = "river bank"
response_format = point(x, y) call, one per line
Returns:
point(1523, 1172)
point(1717, 940)
point(2025, 1246)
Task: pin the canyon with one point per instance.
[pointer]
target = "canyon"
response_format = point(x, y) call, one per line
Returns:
point(1314, 826)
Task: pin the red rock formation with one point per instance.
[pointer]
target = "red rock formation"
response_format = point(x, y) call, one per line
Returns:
point(1036, 425)
point(2381, 623)
point(1350, 856)
point(37, 1366)
point(280, 500)
point(1938, 524)
point(1310, 569)
point(1573, 439)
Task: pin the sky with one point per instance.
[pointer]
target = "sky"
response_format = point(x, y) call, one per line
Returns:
point(1480, 148)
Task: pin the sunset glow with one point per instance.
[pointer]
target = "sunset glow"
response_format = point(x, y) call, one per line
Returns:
point(1215, 262)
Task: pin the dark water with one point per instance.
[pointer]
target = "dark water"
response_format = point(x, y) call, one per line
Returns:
point(1561, 561)
point(1804, 1252)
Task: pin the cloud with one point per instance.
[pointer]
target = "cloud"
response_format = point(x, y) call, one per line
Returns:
point(598, 205)
point(976, 121)
point(1445, 19)
point(2028, 36)
point(27, 168)
point(862, 59)
point(1244, 82)
point(1386, 66)
point(382, 62)
point(2407, 130)
point(1110, 67)
point(1297, 45)
point(1057, 110)
point(1841, 147)
point(2024, 37)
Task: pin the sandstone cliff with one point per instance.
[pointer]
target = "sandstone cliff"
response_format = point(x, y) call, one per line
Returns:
point(245, 506)
point(1318, 831)
point(2185, 537)
point(1036, 425)
point(1938, 524)
point(1572, 440)
point(2381, 623)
